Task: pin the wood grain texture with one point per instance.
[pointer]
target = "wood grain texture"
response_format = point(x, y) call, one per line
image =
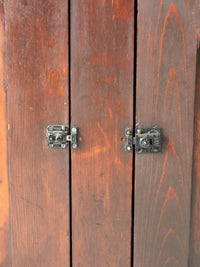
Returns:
point(36, 55)
point(4, 194)
point(167, 34)
point(195, 218)
point(102, 106)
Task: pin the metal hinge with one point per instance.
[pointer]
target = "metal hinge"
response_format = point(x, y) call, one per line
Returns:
point(146, 140)
point(59, 136)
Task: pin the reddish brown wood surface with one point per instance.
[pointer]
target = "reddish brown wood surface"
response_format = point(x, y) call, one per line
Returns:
point(195, 221)
point(4, 196)
point(36, 56)
point(102, 106)
point(167, 35)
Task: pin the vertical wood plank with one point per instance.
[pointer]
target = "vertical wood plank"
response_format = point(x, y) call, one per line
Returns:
point(4, 194)
point(36, 36)
point(165, 97)
point(102, 106)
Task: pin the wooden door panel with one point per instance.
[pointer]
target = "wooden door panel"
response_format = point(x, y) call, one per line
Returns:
point(4, 194)
point(36, 56)
point(166, 53)
point(102, 106)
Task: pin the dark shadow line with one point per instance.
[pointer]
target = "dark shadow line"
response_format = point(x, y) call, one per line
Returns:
point(69, 116)
point(191, 260)
point(134, 122)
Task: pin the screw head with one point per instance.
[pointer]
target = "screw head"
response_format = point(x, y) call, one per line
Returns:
point(74, 130)
point(63, 145)
point(74, 146)
point(128, 148)
point(63, 127)
point(144, 142)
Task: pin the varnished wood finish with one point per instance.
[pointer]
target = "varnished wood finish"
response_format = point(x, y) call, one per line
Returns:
point(36, 56)
point(166, 69)
point(4, 196)
point(195, 218)
point(102, 106)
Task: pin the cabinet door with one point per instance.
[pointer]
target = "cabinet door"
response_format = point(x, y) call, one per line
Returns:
point(72, 63)
point(36, 89)
point(102, 106)
point(66, 208)
point(166, 72)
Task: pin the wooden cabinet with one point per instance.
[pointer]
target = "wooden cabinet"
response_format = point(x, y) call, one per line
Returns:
point(102, 65)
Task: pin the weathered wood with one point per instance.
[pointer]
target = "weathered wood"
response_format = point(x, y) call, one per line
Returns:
point(167, 34)
point(4, 194)
point(195, 219)
point(36, 56)
point(102, 106)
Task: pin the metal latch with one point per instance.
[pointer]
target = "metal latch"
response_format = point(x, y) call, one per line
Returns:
point(59, 136)
point(146, 140)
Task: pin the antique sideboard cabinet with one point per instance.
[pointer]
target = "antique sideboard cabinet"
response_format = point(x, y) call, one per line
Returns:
point(100, 133)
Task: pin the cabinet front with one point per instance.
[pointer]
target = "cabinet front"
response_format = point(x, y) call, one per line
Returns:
point(100, 135)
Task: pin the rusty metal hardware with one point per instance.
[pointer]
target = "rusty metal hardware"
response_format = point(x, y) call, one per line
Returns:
point(59, 136)
point(146, 140)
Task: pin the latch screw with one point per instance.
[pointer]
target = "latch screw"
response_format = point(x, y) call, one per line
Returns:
point(139, 130)
point(74, 130)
